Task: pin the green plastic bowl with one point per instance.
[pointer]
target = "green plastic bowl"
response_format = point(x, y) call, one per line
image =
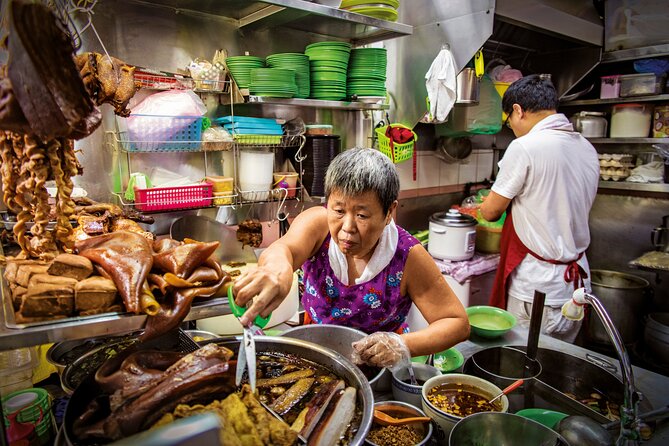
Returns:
point(450, 360)
point(490, 322)
point(549, 418)
point(421, 359)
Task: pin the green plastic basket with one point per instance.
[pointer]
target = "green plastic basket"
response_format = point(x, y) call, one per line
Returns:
point(399, 152)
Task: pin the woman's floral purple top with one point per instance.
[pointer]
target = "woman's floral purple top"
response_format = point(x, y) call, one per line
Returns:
point(376, 305)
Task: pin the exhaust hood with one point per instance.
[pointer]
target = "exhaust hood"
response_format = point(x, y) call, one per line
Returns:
point(561, 37)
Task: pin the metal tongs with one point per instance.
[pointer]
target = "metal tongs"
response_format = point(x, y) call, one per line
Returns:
point(246, 357)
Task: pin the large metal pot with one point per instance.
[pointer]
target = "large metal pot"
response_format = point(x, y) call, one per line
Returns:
point(495, 428)
point(590, 124)
point(656, 337)
point(334, 361)
point(339, 339)
point(624, 296)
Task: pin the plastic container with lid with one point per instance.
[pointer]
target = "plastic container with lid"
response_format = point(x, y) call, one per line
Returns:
point(318, 129)
point(641, 84)
point(630, 120)
point(661, 121)
point(610, 87)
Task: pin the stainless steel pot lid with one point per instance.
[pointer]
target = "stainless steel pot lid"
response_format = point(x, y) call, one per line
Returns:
point(453, 219)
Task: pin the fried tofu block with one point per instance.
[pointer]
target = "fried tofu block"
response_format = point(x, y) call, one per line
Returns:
point(47, 300)
point(71, 265)
point(94, 293)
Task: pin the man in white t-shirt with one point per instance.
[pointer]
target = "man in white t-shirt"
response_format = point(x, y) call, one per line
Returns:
point(548, 181)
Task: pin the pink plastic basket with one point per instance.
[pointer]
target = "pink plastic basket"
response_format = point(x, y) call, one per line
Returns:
point(168, 198)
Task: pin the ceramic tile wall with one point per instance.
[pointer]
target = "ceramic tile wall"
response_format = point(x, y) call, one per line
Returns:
point(434, 176)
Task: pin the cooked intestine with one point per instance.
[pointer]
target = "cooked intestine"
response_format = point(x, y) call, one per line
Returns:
point(27, 164)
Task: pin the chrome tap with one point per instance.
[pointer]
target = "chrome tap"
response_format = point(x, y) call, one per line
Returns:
point(629, 419)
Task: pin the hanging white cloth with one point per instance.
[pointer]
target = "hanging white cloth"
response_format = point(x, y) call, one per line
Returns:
point(383, 254)
point(440, 84)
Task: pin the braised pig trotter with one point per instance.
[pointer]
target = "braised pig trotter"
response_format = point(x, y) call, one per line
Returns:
point(172, 313)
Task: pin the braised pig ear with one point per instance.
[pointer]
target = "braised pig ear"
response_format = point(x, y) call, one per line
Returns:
point(165, 244)
point(176, 307)
point(126, 257)
point(182, 260)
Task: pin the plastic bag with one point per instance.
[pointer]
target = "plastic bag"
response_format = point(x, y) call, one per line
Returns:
point(484, 118)
point(171, 103)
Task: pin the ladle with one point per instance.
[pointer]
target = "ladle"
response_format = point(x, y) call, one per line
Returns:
point(508, 389)
point(384, 419)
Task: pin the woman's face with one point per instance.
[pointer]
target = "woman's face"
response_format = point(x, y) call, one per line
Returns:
point(356, 223)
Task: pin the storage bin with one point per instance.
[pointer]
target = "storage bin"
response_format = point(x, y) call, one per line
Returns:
point(630, 120)
point(609, 87)
point(169, 198)
point(641, 84)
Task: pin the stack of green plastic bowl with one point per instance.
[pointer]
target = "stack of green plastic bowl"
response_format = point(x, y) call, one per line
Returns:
point(273, 82)
point(297, 62)
point(328, 65)
point(367, 73)
point(379, 9)
point(241, 66)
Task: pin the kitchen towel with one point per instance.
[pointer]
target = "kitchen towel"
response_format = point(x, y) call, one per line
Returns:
point(440, 84)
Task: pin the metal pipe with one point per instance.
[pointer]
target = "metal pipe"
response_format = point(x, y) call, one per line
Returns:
point(535, 324)
point(629, 420)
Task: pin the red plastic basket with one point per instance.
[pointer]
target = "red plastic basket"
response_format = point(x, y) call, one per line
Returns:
point(168, 198)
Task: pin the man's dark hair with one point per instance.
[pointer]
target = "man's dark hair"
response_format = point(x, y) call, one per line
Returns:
point(532, 93)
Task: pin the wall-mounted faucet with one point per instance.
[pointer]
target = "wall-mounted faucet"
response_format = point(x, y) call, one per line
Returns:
point(629, 419)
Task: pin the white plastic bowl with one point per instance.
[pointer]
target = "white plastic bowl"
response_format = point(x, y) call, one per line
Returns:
point(446, 421)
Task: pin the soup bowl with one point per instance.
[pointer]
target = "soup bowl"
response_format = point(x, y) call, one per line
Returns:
point(453, 382)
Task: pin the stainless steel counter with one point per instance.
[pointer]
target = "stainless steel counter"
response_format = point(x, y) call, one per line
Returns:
point(655, 387)
point(80, 328)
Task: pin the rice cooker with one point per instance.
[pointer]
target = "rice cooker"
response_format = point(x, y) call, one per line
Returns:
point(452, 235)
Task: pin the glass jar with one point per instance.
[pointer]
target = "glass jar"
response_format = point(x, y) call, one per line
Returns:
point(631, 120)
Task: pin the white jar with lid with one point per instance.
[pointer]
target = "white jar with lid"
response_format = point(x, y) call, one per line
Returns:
point(630, 120)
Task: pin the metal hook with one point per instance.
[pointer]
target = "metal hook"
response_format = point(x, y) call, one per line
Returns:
point(298, 156)
point(282, 205)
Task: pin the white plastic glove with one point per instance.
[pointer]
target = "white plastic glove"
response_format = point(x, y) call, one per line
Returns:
point(382, 349)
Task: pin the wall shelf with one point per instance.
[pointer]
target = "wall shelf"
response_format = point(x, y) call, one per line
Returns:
point(635, 53)
point(338, 105)
point(627, 186)
point(660, 97)
point(300, 15)
point(629, 140)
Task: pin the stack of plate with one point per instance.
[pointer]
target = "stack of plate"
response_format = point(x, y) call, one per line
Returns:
point(367, 73)
point(297, 62)
point(273, 82)
point(328, 65)
point(241, 66)
point(379, 9)
point(320, 151)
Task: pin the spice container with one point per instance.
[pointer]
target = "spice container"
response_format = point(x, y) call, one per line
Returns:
point(641, 84)
point(661, 121)
point(610, 87)
point(318, 129)
point(630, 120)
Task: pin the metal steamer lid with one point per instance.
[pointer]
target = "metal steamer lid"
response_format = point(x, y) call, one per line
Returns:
point(591, 113)
point(453, 218)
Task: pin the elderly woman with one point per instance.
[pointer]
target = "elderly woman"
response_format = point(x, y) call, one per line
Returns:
point(360, 269)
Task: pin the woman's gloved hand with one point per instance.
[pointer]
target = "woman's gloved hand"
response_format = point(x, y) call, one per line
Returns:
point(382, 349)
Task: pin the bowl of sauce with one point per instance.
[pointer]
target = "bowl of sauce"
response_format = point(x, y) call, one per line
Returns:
point(449, 398)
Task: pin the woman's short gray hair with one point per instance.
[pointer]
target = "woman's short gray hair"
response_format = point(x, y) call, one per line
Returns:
point(358, 170)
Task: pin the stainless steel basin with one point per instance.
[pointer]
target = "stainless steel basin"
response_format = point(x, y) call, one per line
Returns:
point(561, 374)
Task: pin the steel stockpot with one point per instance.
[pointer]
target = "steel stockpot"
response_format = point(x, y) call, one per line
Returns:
point(452, 235)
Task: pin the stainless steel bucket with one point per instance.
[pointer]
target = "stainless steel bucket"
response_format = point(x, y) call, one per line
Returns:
point(467, 87)
point(624, 297)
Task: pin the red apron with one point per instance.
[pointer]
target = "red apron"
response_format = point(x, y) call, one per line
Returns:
point(512, 253)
